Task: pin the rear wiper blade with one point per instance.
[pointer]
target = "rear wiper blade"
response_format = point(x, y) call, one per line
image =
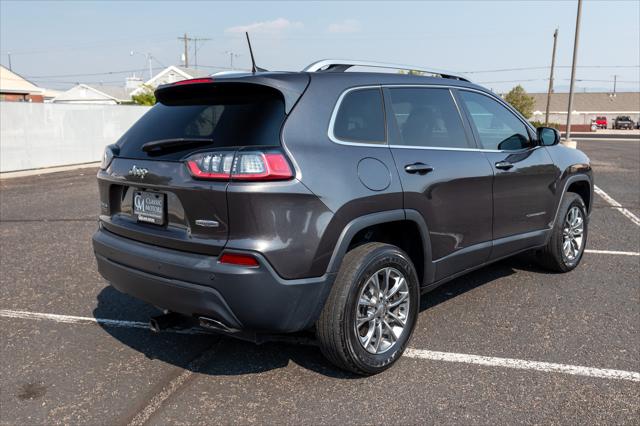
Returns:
point(173, 143)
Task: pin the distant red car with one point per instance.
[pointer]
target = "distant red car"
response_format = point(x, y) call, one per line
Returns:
point(601, 122)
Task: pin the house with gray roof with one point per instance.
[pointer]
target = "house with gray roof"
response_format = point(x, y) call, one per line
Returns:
point(94, 94)
point(587, 106)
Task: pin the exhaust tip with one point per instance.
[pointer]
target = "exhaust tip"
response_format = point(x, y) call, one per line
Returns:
point(154, 326)
point(216, 325)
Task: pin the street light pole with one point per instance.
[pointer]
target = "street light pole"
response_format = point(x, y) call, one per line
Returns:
point(150, 66)
point(553, 64)
point(149, 58)
point(573, 74)
point(231, 56)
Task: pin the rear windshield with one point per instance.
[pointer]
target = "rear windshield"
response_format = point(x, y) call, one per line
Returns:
point(230, 117)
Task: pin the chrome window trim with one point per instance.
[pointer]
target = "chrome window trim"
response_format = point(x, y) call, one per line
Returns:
point(334, 114)
point(440, 148)
point(336, 107)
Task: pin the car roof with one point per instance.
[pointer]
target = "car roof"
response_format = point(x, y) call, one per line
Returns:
point(349, 79)
point(293, 83)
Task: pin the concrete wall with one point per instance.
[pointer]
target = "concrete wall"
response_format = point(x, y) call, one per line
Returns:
point(44, 135)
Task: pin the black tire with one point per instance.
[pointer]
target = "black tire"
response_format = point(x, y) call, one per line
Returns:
point(552, 256)
point(335, 329)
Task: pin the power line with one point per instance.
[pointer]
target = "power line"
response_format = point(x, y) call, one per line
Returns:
point(608, 81)
point(547, 67)
point(512, 81)
point(195, 49)
point(85, 75)
point(100, 82)
point(36, 77)
point(112, 42)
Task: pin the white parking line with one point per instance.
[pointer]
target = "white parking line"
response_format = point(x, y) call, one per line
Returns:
point(520, 364)
point(71, 319)
point(617, 205)
point(607, 139)
point(621, 253)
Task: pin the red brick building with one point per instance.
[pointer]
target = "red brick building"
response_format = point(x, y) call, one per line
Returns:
point(14, 88)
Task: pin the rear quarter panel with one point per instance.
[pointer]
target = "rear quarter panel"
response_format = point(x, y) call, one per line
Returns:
point(330, 170)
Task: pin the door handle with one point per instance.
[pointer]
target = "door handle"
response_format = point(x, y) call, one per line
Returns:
point(504, 165)
point(420, 168)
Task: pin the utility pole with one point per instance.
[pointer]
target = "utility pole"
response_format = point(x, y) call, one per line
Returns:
point(231, 56)
point(195, 49)
point(149, 58)
point(186, 49)
point(615, 78)
point(573, 73)
point(553, 64)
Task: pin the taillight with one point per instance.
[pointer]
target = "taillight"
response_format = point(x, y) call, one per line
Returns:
point(110, 151)
point(211, 165)
point(261, 166)
point(238, 259)
point(243, 165)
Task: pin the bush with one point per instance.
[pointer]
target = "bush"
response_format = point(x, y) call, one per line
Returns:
point(145, 97)
point(537, 124)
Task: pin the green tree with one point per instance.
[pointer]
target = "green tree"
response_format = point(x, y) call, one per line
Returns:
point(520, 100)
point(145, 97)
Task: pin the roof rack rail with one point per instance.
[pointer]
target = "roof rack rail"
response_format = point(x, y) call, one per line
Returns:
point(341, 65)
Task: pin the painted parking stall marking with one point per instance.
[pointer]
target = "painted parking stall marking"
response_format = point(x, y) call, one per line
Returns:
point(616, 205)
point(618, 253)
point(520, 364)
point(72, 319)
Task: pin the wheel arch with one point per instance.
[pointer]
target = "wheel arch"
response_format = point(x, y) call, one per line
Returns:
point(351, 236)
point(577, 182)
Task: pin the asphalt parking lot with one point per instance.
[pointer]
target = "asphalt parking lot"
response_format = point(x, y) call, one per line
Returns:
point(563, 335)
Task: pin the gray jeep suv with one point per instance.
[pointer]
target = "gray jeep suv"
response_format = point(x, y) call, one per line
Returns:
point(325, 200)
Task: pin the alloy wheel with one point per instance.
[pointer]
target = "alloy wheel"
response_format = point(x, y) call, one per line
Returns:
point(573, 233)
point(382, 310)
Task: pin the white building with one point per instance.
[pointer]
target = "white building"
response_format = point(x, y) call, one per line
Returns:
point(587, 106)
point(169, 75)
point(94, 94)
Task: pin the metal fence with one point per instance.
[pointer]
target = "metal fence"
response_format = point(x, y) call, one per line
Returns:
point(36, 135)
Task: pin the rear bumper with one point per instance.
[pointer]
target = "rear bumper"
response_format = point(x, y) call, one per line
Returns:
point(248, 299)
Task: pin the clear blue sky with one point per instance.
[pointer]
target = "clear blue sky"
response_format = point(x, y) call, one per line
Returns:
point(53, 42)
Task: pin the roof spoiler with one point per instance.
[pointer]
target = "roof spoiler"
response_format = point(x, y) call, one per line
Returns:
point(290, 86)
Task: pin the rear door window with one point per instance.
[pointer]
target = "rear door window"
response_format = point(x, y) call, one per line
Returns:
point(427, 117)
point(229, 117)
point(497, 127)
point(360, 117)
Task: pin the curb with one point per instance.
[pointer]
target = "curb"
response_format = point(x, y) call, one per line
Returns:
point(46, 170)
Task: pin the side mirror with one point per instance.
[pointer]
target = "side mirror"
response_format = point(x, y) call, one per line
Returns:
point(548, 136)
